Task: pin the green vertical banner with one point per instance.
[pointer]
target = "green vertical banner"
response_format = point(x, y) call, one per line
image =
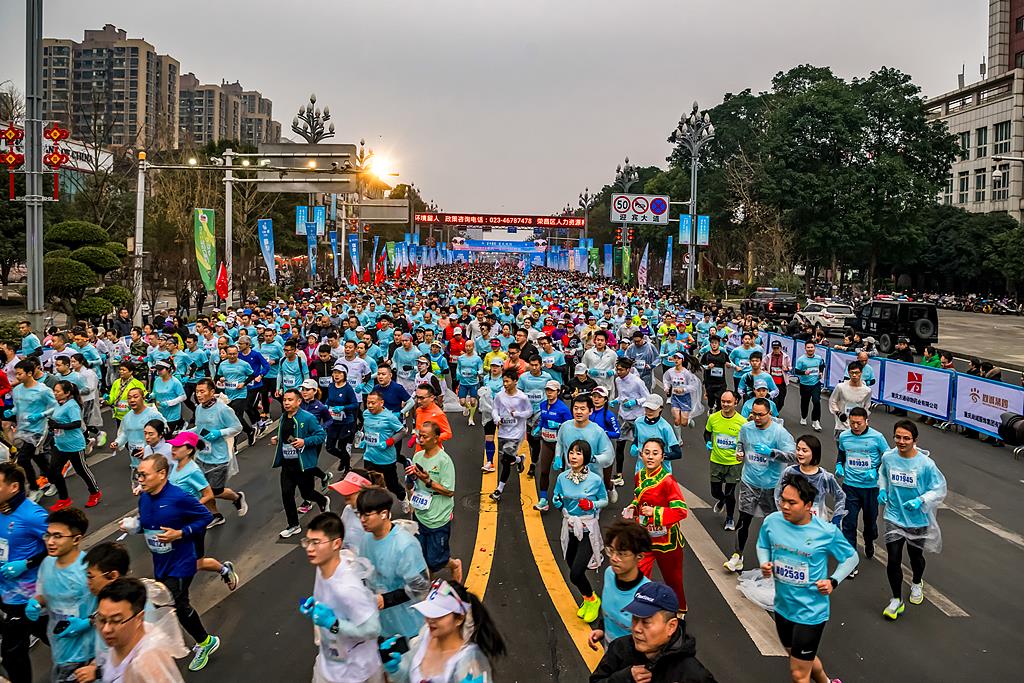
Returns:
point(625, 264)
point(595, 260)
point(389, 247)
point(206, 247)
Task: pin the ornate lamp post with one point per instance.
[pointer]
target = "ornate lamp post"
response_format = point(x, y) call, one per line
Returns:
point(694, 133)
point(310, 122)
point(587, 202)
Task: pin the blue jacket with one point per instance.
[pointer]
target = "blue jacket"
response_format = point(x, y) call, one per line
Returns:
point(22, 530)
point(259, 365)
point(394, 394)
point(344, 399)
point(305, 427)
point(173, 508)
point(551, 418)
point(607, 420)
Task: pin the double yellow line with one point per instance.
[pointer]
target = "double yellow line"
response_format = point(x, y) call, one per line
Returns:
point(550, 573)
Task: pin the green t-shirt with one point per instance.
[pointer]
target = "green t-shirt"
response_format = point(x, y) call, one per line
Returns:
point(724, 433)
point(431, 508)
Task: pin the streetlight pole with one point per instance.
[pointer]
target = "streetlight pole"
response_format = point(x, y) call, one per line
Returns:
point(140, 217)
point(694, 133)
point(34, 158)
point(625, 177)
point(228, 227)
point(587, 202)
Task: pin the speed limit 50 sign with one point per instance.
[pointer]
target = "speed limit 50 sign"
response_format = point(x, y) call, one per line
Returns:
point(651, 209)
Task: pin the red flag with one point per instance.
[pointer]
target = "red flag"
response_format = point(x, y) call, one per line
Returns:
point(366, 274)
point(355, 276)
point(222, 282)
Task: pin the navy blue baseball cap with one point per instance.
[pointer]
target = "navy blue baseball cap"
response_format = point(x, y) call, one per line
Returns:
point(652, 598)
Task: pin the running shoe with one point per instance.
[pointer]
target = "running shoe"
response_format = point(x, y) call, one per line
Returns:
point(94, 499)
point(853, 574)
point(90, 445)
point(591, 609)
point(803, 420)
point(101, 439)
point(916, 593)
point(251, 438)
point(465, 412)
point(869, 550)
point(542, 505)
point(617, 480)
point(530, 472)
point(61, 504)
point(406, 508)
point(719, 506)
point(230, 577)
point(325, 481)
point(203, 653)
point(734, 563)
point(241, 505)
point(290, 531)
point(496, 495)
point(816, 425)
point(305, 507)
point(50, 490)
point(327, 505)
point(472, 422)
point(520, 466)
point(487, 467)
point(893, 609)
point(730, 525)
point(218, 519)
point(613, 496)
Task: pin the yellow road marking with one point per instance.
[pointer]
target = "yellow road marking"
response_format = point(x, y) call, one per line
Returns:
point(550, 573)
point(486, 531)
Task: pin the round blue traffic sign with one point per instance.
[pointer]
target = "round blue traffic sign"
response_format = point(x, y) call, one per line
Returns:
point(658, 206)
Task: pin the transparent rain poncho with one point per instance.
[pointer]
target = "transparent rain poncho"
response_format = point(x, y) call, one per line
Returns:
point(914, 489)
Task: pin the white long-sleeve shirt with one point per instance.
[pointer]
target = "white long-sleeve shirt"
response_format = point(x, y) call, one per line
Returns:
point(604, 364)
point(510, 414)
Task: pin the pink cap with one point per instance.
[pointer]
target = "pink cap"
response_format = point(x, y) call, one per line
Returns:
point(184, 439)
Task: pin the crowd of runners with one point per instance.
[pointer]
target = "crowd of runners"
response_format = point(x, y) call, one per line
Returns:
point(581, 384)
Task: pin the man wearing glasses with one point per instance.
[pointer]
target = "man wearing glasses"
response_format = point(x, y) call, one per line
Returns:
point(135, 654)
point(63, 592)
point(170, 518)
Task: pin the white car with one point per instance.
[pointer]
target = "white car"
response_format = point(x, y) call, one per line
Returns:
point(830, 317)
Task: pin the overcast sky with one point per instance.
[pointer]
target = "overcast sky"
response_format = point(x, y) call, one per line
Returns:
point(516, 105)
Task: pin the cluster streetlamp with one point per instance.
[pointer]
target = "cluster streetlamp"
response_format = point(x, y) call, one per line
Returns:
point(586, 203)
point(310, 122)
point(694, 133)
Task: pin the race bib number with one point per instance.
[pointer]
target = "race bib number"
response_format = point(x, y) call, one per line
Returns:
point(420, 500)
point(756, 458)
point(788, 571)
point(290, 381)
point(371, 439)
point(58, 432)
point(324, 381)
point(548, 434)
point(657, 531)
point(3, 550)
point(744, 364)
point(678, 390)
point(858, 462)
point(535, 395)
point(156, 546)
point(640, 364)
point(337, 412)
point(122, 405)
point(507, 420)
point(289, 452)
point(724, 442)
point(905, 478)
point(811, 371)
point(776, 372)
point(549, 362)
point(717, 372)
point(816, 509)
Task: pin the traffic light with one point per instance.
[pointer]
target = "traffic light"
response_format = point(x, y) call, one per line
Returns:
point(630, 235)
point(618, 234)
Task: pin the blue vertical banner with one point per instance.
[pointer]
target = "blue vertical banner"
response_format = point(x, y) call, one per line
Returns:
point(334, 250)
point(608, 261)
point(353, 252)
point(703, 230)
point(311, 247)
point(320, 218)
point(334, 208)
point(416, 239)
point(265, 233)
point(666, 276)
point(376, 243)
point(301, 216)
point(685, 229)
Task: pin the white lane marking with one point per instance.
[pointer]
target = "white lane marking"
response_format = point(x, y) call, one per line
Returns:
point(954, 500)
point(931, 593)
point(759, 626)
point(972, 515)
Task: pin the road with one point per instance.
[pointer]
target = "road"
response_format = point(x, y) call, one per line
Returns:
point(965, 630)
point(985, 336)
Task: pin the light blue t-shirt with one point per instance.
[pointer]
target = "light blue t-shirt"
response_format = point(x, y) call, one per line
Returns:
point(764, 471)
point(907, 478)
point(469, 369)
point(188, 478)
point(809, 370)
point(799, 555)
point(67, 595)
point(863, 456)
point(617, 622)
point(68, 440)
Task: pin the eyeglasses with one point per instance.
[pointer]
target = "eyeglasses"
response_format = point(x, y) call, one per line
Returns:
point(753, 414)
point(58, 537)
point(623, 554)
point(115, 622)
point(364, 515)
point(314, 542)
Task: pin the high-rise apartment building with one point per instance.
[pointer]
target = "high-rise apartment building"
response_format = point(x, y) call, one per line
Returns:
point(210, 113)
point(111, 89)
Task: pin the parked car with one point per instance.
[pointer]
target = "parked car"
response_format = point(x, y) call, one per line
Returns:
point(831, 317)
point(769, 302)
point(886, 321)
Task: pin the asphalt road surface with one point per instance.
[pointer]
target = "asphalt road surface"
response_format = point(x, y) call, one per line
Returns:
point(993, 337)
point(967, 629)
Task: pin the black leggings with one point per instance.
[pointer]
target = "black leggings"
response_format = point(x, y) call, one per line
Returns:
point(28, 454)
point(534, 443)
point(188, 617)
point(15, 633)
point(742, 529)
point(339, 437)
point(577, 555)
point(810, 395)
point(391, 480)
point(58, 460)
point(620, 455)
point(728, 496)
point(894, 566)
point(239, 406)
point(508, 450)
point(714, 393)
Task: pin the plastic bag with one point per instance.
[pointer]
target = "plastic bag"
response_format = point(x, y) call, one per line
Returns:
point(757, 589)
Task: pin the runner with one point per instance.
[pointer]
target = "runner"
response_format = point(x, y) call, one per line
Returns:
point(298, 436)
point(625, 542)
point(808, 458)
point(216, 424)
point(861, 448)
point(512, 409)
point(911, 487)
point(34, 402)
point(432, 497)
point(684, 392)
point(469, 368)
point(809, 370)
point(722, 436)
point(381, 431)
point(793, 548)
point(765, 448)
point(69, 446)
point(714, 361)
point(849, 394)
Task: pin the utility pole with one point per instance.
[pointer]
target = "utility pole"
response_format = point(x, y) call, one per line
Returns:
point(228, 228)
point(140, 214)
point(34, 157)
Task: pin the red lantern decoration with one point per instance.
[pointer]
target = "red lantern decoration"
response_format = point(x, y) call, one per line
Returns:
point(55, 133)
point(11, 160)
point(10, 135)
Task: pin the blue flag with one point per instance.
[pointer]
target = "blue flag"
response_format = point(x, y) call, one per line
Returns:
point(265, 230)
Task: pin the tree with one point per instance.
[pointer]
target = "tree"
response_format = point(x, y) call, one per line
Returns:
point(76, 264)
point(12, 240)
